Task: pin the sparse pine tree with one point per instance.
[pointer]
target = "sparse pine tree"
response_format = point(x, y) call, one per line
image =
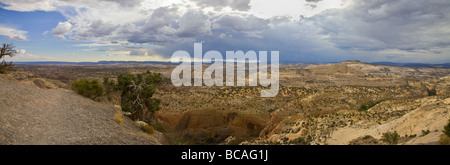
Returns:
point(390, 138)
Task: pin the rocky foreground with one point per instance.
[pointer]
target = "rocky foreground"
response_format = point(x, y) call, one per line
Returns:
point(35, 111)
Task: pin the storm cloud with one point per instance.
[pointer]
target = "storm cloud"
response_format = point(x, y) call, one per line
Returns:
point(379, 30)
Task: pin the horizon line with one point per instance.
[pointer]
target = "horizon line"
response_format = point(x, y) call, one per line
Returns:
point(169, 62)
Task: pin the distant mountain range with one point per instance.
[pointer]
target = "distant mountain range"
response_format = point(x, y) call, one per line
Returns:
point(415, 65)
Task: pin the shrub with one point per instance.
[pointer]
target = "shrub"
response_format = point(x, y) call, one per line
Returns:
point(365, 140)
point(366, 107)
point(444, 140)
point(144, 126)
point(447, 129)
point(431, 92)
point(90, 89)
point(299, 141)
point(390, 138)
point(6, 67)
point(110, 86)
point(159, 126)
point(180, 141)
point(367, 137)
point(148, 128)
point(424, 133)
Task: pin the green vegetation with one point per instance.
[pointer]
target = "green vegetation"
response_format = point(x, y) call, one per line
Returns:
point(447, 129)
point(445, 138)
point(299, 141)
point(137, 91)
point(110, 86)
point(90, 89)
point(390, 138)
point(424, 133)
point(180, 141)
point(6, 50)
point(159, 126)
point(365, 140)
point(366, 107)
point(432, 92)
point(148, 128)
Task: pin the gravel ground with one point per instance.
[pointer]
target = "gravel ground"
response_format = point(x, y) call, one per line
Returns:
point(31, 115)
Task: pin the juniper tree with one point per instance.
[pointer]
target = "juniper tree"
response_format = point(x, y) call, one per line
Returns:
point(6, 50)
point(137, 91)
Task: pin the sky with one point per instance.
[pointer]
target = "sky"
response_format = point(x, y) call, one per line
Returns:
point(308, 31)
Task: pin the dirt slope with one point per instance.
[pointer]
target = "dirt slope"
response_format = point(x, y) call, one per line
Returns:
point(32, 115)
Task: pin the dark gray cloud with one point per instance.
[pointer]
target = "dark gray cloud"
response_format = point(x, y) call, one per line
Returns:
point(369, 31)
point(126, 3)
point(246, 24)
point(385, 24)
point(194, 23)
point(241, 5)
point(96, 29)
point(160, 27)
point(167, 25)
point(296, 43)
point(313, 1)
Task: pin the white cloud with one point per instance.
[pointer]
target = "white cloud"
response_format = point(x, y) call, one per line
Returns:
point(222, 35)
point(29, 5)
point(13, 34)
point(23, 55)
point(62, 29)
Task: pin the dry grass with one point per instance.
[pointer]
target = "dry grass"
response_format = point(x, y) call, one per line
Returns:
point(149, 129)
point(144, 127)
point(118, 117)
